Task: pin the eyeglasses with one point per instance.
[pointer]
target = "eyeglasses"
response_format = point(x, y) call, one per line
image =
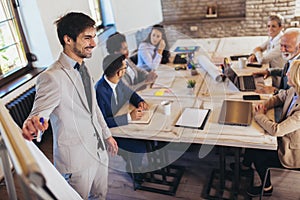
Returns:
point(123, 68)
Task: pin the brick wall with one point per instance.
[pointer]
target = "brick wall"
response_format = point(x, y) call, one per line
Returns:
point(235, 17)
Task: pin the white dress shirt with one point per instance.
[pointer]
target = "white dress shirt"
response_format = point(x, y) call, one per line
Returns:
point(271, 53)
point(113, 87)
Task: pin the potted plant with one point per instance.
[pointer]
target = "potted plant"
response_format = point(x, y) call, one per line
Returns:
point(191, 85)
point(193, 70)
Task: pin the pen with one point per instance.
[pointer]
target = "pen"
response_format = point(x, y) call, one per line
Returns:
point(40, 133)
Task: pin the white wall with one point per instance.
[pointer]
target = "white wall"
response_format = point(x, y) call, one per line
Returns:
point(35, 33)
point(131, 15)
point(39, 17)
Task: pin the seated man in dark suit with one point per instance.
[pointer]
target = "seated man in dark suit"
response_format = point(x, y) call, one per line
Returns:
point(112, 94)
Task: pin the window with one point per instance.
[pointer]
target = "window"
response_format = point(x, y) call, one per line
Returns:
point(297, 9)
point(12, 42)
point(101, 12)
point(95, 11)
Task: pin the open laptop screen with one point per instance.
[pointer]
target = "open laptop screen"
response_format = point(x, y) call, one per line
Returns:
point(236, 113)
point(243, 83)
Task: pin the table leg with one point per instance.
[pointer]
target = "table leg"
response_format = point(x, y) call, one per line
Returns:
point(222, 171)
point(236, 172)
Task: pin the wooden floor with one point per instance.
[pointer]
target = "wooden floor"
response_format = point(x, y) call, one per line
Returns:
point(192, 185)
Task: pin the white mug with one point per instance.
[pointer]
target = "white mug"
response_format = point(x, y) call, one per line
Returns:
point(242, 62)
point(166, 107)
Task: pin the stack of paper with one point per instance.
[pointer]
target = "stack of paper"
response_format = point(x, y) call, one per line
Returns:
point(164, 79)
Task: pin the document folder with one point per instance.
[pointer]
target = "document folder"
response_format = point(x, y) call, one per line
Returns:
point(193, 118)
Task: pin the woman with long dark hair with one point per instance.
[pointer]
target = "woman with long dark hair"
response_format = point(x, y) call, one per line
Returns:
point(154, 49)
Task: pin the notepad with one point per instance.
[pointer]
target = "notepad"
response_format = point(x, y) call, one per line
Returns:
point(147, 115)
point(164, 80)
point(193, 118)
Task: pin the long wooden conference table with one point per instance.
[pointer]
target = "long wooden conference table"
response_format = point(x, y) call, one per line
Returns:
point(208, 94)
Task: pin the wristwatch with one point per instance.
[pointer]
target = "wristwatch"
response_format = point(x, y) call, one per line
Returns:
point(276, 91)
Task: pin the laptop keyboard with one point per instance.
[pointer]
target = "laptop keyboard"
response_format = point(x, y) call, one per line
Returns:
point(249, 82)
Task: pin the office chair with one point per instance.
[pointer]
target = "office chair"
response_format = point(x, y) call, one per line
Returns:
point(292, 176)
point(134, 57)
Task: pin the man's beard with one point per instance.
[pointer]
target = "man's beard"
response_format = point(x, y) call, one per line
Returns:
point(287, 56)
point(79, 53)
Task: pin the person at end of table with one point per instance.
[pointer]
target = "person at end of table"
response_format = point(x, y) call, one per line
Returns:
point(112, 94)
point(269, 52)
point(290, 50)
point(136, 78)
point(287, 131)
point(154, 50)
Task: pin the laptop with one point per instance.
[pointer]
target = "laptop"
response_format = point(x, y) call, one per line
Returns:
point(243, 83)
point(236, 57)
point(236, 113)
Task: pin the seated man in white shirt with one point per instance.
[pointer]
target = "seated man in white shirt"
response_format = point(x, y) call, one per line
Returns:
point(269, 52)
point(135, 77)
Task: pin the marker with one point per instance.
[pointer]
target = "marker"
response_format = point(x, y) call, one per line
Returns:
point(40, 133)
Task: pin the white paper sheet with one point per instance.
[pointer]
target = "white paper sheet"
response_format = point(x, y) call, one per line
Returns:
point(164, 79)
point(147, 115)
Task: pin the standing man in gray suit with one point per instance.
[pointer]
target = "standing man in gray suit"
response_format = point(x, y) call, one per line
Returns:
point(65, 96)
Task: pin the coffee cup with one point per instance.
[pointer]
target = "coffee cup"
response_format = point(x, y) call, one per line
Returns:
point(242, 62)
point(166, 107)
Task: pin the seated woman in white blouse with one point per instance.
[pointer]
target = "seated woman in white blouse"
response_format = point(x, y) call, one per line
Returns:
point(154, 49)
point(269, 52)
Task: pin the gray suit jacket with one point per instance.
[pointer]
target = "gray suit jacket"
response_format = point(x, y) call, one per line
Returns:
point(140, 76)
point(61, 97)
point(287, 130)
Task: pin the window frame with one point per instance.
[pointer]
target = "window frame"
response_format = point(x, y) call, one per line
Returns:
point(297, 8)
point(14, 79)
point(7, 78)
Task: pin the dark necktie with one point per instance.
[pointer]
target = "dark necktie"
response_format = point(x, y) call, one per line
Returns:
point(283, 81)
point(86, 80)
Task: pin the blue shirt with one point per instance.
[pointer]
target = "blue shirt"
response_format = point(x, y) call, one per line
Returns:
point(292, 103)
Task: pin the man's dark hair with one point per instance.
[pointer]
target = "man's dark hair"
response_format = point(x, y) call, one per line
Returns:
point(114, 42)
point(112, 63)
point(72, 24)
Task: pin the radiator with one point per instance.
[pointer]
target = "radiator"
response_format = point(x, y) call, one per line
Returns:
point(20, 107)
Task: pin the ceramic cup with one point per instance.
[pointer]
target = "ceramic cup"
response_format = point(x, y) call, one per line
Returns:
point(166, 107)
point(242, 62)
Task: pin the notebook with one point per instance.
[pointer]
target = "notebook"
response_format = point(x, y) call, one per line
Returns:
point(236, 57)
point(147, 115)
point(243, 83)
point(180, 58)
point(186, 49)
point(193, 118)
point(236, 113)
